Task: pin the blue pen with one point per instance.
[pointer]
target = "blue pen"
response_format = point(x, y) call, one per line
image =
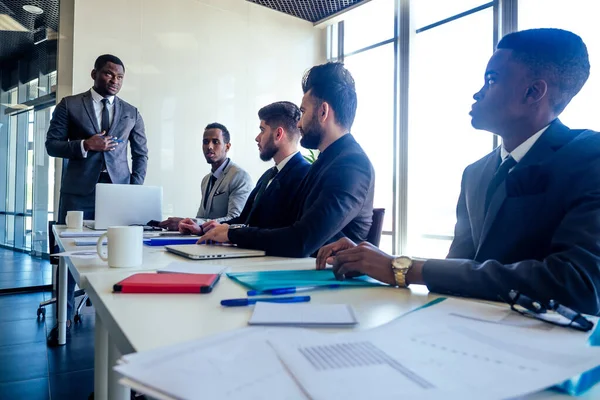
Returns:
point(247, 302)
point(290, 290)
point(118, 140)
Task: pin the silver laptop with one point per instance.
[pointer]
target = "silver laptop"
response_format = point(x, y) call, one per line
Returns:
point(209, 251)
point(120, 205)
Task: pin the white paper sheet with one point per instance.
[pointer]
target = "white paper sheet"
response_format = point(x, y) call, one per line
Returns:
point(303, 314)
point(435, 353)
point(78, 254)
point(233, 368)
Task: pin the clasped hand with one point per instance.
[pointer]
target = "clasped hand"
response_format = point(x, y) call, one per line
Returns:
point(100, 142)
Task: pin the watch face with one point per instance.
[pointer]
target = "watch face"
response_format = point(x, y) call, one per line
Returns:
point(402, 262)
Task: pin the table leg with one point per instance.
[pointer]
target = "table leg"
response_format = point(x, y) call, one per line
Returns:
point(62, 301)
point(116, 391)
point(101, 364)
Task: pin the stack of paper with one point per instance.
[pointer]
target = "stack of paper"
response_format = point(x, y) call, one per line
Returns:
point(454, 349)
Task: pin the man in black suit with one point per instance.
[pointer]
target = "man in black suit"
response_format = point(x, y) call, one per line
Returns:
point(270, 205)
point(335, 198)
point(528, 216)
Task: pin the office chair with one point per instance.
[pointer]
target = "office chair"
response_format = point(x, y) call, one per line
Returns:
point(374, 235)
point(41, 311)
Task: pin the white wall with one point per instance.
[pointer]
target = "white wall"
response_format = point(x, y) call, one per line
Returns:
point(192, 62)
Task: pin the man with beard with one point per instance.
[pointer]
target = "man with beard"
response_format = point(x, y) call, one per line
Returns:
point(271, 203)
point(225, 189)
point(335, 199)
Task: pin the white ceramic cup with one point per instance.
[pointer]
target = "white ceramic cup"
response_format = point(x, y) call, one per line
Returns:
point(74, 220)
point(124, 247)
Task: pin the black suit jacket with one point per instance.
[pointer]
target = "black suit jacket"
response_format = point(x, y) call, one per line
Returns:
point(74, 120)
point(541, 233)
point(335, 200)
point(276, 207)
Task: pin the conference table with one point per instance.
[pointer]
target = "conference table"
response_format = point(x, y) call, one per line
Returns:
point(126, 323)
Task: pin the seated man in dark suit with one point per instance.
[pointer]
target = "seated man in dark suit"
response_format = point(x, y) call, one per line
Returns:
point(335, 199)
point(271, 202)
point(528, 216)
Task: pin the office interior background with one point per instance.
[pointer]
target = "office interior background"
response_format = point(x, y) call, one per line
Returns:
point(416, 63)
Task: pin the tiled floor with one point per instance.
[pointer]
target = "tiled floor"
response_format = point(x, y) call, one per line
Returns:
point(28, 368)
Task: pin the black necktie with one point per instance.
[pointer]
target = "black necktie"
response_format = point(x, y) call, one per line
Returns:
point(270, 174)
point(499, 177)
point(105, 122)
point(211, 183)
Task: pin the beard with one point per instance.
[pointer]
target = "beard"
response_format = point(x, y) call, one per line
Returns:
point(312, 135)
point(268, 151)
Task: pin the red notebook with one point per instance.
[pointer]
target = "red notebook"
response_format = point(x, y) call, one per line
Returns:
point(167, 283)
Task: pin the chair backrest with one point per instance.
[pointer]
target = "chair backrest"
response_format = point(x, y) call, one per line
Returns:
point(374, 236)
point(52, 246)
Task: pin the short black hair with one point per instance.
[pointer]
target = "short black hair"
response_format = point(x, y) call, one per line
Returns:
point(216, 125)
point(282, 113)
point(106, 58)
point(334, 84)
point(558, 56)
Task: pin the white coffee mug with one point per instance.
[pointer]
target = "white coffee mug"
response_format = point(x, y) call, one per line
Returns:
point(124, 246)
point(74, 220)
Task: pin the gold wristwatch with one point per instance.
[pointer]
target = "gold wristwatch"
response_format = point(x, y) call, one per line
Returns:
point(401, 266)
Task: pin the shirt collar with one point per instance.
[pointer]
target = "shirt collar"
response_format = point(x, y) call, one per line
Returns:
point(518, 153)
point(283, 162)
point(219, 172)
point(98, 99)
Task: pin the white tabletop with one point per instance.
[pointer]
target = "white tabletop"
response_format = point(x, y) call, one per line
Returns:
point(138, 322)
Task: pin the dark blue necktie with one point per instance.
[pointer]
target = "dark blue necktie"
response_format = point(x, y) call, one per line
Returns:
point(105, 122)
point(211, 183)
point(499, 177)
point(270, 174)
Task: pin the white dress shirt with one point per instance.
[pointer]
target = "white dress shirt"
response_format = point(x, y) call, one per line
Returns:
point(522, 149)
point(98, 106)
point(281, 165)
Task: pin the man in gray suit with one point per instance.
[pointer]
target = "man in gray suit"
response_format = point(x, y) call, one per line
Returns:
point(224, 191)
point(90, 131)
point(528, 216)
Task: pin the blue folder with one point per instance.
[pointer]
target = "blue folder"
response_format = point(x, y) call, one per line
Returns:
point(264, 280)
point(164, 241)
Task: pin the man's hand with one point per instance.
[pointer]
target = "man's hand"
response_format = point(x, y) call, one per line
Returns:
point(100, 142)
point(189, 227)
point(366, 259)
point(209, 226)
point(217, 234)
point(326, 253)
point(171, 223)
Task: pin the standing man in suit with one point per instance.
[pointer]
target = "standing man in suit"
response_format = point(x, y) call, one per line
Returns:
point(90, 131)
point(271, 203)
point(225, 189)
point(528, 216)
point(335, 198)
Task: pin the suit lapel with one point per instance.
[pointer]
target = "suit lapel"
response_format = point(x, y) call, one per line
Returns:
point(88, 105)
point(217, 185)
point(488, 171)
point(556, 136)
point(116, 117)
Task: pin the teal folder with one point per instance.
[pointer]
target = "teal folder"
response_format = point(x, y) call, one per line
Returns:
point(263, 280)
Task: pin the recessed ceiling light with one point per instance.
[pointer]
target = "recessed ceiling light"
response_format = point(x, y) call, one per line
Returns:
point(33, 9)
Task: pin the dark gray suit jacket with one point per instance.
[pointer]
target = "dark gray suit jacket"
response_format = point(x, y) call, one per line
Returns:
point(74, 120)
point(541, 234)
